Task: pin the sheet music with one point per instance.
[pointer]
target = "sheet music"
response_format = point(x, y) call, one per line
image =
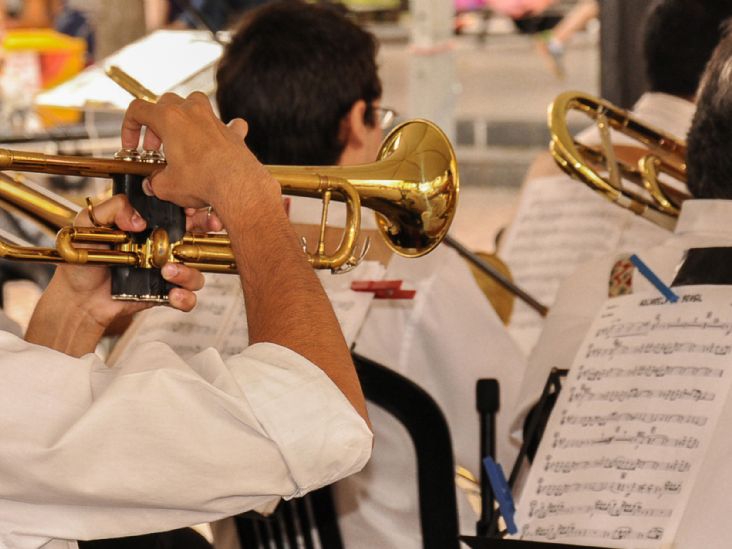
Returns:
point(219, 320)
point(633, 422)
point(560, 224)
point(161, 61)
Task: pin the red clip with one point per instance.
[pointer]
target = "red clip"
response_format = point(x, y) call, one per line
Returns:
point(383, 289)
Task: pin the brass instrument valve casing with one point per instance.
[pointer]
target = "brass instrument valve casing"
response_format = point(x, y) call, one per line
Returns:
point(145, 283)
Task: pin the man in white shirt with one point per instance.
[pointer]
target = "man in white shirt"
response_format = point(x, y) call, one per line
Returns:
point(704, 223)
point(156, 442)
point(317, 101)
point(542, 249)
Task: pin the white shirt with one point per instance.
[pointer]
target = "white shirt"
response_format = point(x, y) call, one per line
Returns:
point(157, 443)
point(666, 112)
point(561, 223)
point(445, 339)
point(702, 223)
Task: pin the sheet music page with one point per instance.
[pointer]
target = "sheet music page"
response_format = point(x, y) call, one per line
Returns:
point(160, 61)
point(219, 320)
point(560, 224)
point(633, 422)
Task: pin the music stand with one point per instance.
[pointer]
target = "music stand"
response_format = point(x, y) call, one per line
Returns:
point(532, 434)
point(475, 542)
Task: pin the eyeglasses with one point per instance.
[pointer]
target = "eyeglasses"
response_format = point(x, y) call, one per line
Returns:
point(385, 117)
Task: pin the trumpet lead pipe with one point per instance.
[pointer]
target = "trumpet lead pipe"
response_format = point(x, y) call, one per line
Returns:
point(72, 165)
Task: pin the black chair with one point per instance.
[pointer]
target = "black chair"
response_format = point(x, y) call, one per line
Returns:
point(295, 523)
point(301, 520)
point(184, 538)
point(421, 416)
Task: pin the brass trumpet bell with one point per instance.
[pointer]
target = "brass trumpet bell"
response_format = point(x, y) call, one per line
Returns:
point(603, 170)
point(413, 188)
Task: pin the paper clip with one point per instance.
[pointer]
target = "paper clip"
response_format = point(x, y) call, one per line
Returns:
point(653, 279)
point(501, 492)
point(383, 289)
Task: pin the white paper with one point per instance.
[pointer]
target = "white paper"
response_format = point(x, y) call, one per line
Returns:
point(560, 224)
point(219, 320)
point(633, 422)
point(165, 60)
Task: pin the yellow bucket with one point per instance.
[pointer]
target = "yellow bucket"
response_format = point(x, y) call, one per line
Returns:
point(61, 56)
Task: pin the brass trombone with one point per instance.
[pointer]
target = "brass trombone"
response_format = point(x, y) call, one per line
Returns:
point(412, 187)
point(664, 153)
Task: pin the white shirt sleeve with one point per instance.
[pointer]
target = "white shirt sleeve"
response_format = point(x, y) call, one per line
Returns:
point(156, 443)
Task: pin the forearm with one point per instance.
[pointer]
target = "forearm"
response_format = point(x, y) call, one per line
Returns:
point(62, 323)
point(285, 302)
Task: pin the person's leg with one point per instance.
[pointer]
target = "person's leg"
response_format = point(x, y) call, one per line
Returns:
point(552, 44)
point(575, 20)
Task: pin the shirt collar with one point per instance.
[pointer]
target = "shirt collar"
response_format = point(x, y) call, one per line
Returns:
point(667, 112)
point(710, 216)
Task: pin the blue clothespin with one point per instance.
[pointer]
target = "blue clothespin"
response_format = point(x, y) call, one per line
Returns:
point(502, 493)
point(653, 279)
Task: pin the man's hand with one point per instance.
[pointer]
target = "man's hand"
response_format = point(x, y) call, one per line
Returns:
point(77, 307)
point(203, 154)
point(209, 164)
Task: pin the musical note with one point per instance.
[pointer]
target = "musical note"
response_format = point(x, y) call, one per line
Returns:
point(602, 420)
point(633, 422)
point(558, 226)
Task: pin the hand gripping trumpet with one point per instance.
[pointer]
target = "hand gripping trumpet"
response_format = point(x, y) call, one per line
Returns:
point(412, 187)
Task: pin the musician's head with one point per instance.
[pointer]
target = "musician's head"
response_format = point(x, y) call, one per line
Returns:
point(305, 79)
point(679, 37)
point(709, 153)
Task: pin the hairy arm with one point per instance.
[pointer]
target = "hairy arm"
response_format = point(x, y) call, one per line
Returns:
point(285, 302)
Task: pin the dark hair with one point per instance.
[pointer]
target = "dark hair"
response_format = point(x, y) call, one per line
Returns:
point(679, 37)
point(293, 71)
point(709, 143)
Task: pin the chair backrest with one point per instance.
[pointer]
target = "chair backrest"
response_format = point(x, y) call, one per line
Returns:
point(309, 522)
point(414, 408)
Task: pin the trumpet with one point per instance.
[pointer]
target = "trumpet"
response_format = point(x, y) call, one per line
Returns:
point(412, 188)
point(662, 153)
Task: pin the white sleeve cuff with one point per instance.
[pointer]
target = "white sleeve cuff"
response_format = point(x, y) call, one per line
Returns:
point(320, 435)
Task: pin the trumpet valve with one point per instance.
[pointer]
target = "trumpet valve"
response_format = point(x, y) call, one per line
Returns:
point(151, 156)
point(158, 248)
point(129, 155)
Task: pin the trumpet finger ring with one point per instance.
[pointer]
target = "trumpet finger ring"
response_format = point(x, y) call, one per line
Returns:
point(90, 212)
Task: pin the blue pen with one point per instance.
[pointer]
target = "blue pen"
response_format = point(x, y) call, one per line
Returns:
point(653, 279)
point(502, 493)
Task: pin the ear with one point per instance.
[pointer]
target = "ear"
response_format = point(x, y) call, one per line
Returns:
point(353, 128)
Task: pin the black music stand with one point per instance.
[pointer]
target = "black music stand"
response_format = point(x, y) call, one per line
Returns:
point(488, 404)
point(475, 542)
